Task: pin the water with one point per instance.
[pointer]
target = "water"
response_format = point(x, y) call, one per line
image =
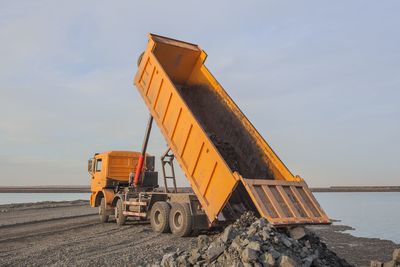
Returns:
point(8, 198)
point(371, 214)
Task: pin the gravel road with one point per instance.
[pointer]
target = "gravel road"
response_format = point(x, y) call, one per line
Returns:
point(69, 234)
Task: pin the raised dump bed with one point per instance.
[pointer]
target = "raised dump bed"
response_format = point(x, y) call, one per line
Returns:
point(229, 165)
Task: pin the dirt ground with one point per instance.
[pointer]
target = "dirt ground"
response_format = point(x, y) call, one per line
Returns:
point(69, 234)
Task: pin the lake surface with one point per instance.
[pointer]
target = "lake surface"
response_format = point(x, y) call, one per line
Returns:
point(371, 214)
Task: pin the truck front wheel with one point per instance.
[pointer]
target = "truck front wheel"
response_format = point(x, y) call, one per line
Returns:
point(119, 215)
point(159, 217)
point(102, 211)
point(180, 219)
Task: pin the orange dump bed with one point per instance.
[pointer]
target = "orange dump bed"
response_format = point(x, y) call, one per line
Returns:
point(229, 165)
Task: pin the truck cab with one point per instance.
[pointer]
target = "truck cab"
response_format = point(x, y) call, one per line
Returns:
point(110, 172)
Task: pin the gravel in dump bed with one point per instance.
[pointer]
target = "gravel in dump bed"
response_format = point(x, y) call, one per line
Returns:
point(254, 242)
point(227, 151)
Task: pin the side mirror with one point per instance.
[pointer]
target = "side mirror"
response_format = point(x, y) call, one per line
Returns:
point(90, 166)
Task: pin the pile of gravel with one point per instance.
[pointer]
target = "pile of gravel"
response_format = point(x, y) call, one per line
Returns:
point(254, 242)
point(395, 262)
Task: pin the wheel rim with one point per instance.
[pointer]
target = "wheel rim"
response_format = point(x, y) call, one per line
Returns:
point(158, 218)
point(178, 220)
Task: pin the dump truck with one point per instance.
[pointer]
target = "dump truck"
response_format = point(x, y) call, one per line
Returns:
point(230, 167)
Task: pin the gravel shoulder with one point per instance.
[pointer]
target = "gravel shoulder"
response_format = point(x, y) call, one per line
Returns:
point(69, 234)
point(358, 251)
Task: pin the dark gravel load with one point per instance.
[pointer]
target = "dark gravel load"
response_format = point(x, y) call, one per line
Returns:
point(227, 151)
point(253, 242)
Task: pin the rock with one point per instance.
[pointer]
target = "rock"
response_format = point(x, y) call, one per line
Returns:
point(245, 242)
point(249, 255)
point(396, 255)
point(267, 259)
point(222, 258)
point(274, 253)
point(308, 261)
point(236, 244)
point(228, 234)
point(181, 261)
point(286, 242)
point(391, 263)
point(213, 252)
point(285, 261)
point(194, 256)
point(297, 232)
point(254, 246)
point(168, 260)
point(263, 222)
point(304, 252)
point(202, 241)
point(252, 230)
point(264, 235)
point(228, 258)
point(376, 264)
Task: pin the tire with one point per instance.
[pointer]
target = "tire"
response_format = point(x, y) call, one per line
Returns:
point(120, 218)
point(180, 219)
point(102, 211)
point(159, 217)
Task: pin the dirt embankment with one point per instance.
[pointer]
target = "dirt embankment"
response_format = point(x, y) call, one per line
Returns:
point(69, 234)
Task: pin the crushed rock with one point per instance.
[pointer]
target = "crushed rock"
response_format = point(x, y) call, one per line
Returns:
point(395, 262)
point(254, 242)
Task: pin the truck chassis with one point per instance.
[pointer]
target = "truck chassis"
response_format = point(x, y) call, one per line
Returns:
point(180, 213)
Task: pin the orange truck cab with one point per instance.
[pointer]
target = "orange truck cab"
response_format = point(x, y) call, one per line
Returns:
point(110, 172)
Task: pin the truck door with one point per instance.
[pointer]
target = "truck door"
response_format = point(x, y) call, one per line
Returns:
point(99, 173)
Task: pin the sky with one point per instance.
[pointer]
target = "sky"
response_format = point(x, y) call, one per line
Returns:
point(320, 80)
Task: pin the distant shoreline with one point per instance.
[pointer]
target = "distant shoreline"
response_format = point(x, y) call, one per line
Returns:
point(356, 189)
point(44, 189)
point(86, 189)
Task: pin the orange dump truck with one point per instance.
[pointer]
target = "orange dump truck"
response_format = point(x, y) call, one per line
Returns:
point(228, 164)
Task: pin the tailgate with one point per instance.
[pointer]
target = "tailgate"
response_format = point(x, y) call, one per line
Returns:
point(285, 203)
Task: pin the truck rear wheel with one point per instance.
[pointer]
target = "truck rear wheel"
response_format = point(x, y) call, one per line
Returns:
point(119, 215)
point(180, 219)
point(159, 217)
point(102, 211)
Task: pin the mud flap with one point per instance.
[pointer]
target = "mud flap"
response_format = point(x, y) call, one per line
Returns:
point(285, 203)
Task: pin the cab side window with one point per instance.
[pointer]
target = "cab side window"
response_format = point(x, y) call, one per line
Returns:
point(98, 165)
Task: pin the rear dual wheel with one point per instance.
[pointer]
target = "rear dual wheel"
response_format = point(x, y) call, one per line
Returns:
point(180, 219)
point(174, 217)
point(159, 217)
